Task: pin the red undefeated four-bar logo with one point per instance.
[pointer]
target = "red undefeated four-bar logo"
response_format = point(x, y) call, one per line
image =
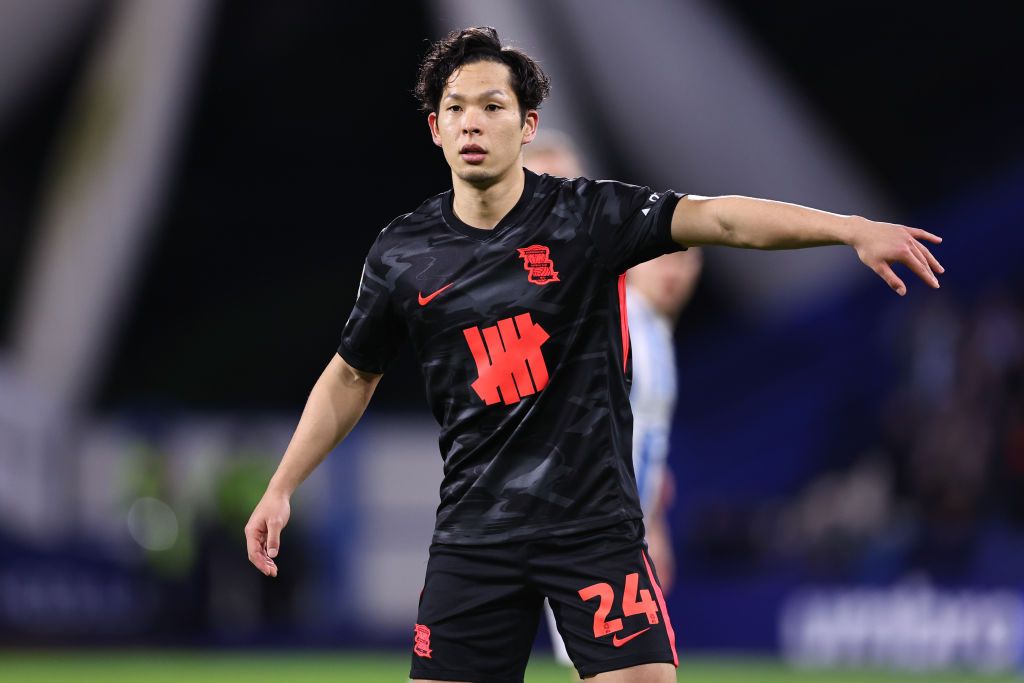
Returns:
point(508, 359)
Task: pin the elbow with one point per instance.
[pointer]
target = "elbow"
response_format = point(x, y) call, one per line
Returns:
point(356, 377)
point(733, 236)
point(728, 232)
point(736, 225)
point(744, 237)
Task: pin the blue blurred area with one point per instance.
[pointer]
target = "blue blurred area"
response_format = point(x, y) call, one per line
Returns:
point(930, 406)
point(849, 415)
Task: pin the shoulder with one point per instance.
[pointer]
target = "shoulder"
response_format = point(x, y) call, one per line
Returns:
point(603, 192)
point(570, 192)
point(612, 188)
point(387, 236)
point(553, 183)
point(402, 227)
point(394, 226)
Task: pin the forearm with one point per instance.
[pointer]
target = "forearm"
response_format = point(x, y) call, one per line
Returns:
point(334, 406)
point(758, 224)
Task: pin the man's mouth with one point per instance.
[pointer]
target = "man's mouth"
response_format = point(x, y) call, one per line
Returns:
point(472, 154)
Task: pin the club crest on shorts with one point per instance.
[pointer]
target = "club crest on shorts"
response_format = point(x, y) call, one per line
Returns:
point(422, 641)
point(537, 262)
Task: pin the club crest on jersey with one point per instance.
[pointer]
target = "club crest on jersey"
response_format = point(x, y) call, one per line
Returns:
point(537, 262)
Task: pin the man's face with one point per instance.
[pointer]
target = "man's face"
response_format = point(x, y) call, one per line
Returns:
point(478, 123)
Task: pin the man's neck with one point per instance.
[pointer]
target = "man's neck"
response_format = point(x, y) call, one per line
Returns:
point(484, 207)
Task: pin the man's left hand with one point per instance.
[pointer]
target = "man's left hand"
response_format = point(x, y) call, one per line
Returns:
point(881, 244)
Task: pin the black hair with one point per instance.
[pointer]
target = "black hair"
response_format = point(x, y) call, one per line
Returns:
point(481, 43)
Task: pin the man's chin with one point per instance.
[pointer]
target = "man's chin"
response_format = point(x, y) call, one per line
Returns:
point(476, 175)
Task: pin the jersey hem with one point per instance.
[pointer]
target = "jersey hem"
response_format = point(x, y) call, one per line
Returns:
point(616, 663)
point(533, 533)
point(664, 227)
point(358, 362)
point(460, 675)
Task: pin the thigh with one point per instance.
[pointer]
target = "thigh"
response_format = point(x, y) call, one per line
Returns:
point(557, 644)
point(607, 600)
point(477, 617)
point(641, 673)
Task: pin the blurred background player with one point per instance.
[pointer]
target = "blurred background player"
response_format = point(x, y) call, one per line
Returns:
point(656, 293)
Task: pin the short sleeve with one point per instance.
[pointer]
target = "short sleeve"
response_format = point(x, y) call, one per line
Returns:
point(629, 224)
point(374, 331)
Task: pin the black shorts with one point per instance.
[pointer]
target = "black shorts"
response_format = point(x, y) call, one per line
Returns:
point(480, 606)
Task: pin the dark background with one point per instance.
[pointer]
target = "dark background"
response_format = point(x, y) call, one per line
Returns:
point(304, 141)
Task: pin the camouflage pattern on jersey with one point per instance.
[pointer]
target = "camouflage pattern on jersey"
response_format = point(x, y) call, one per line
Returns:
point(521, 336)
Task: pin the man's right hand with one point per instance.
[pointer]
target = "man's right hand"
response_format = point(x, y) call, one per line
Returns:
point(263, 531)
point(335, 404)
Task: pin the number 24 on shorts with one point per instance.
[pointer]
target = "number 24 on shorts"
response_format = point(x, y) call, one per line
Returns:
point(630, 604)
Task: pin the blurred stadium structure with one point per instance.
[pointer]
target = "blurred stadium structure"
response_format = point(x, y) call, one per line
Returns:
point(187, 191)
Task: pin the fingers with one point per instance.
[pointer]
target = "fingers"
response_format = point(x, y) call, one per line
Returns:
point(919, 264)
point(884, 248)
point(273, 538)
point(254, 542)
point(924, 235)
point(886, 273)
point(932, 261)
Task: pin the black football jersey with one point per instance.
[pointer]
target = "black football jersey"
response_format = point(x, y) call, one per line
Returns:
point(522, 338)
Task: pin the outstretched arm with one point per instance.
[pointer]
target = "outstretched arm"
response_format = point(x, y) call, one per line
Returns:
point(333, 408)
point(764, 224)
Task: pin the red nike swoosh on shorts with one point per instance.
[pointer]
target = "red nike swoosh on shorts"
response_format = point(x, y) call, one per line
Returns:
point(424, 300)
point(619, 643)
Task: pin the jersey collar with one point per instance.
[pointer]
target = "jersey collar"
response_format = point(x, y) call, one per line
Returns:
point(509, 218)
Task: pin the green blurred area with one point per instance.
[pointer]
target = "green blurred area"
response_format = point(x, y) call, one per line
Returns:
point(261, 667)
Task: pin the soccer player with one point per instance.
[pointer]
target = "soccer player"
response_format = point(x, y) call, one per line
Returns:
point(510, 289)
point(656, 292)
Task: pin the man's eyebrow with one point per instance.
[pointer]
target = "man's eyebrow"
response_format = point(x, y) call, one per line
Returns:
point(484, 95)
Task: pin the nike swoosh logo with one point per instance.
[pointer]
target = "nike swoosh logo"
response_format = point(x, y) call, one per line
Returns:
point(424, 300)
point(619, 643)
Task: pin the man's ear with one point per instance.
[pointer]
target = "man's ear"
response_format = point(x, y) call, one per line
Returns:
point(532, 119)
point(434, 133)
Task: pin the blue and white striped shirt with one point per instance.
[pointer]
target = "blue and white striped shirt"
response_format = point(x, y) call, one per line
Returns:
point(652, 396)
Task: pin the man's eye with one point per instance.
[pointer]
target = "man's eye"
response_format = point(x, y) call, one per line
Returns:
point(455, 107)
point(493, 107)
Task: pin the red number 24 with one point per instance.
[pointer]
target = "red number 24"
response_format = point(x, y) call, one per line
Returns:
point(630, 604)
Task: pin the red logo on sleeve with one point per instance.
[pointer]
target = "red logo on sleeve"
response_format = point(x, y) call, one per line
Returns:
point(508, 359)
point(537, 262)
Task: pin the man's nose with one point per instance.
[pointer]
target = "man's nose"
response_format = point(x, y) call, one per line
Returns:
point(471, 122)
